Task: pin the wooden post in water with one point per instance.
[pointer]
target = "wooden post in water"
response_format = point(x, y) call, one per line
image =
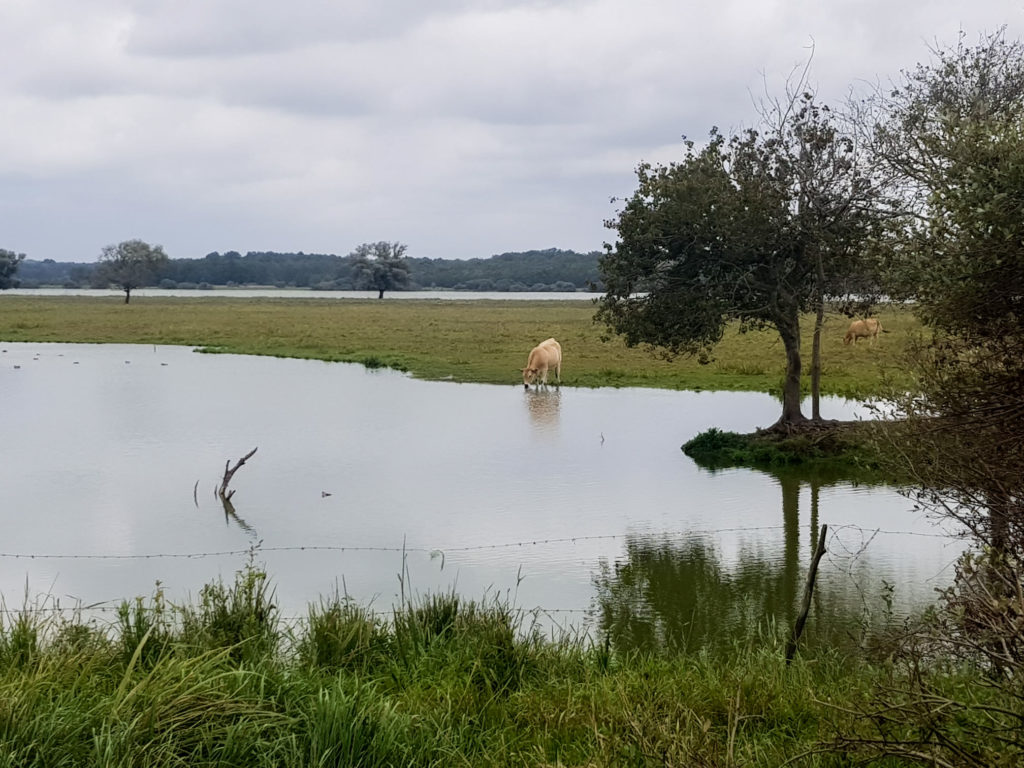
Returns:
point(812, 573)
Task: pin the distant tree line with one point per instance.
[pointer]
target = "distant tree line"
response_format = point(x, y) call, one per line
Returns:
point(552, 269)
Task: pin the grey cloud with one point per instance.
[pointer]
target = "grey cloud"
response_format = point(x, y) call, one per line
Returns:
point(462, 127)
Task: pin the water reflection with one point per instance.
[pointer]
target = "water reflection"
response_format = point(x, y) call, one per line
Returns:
point(231, 516)
point(681, 596)
point(544, 406)
point(524, 496)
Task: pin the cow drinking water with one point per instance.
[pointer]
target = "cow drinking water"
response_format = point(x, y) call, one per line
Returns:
point(545, 356)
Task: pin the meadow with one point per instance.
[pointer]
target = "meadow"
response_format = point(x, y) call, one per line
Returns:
point(464, 341)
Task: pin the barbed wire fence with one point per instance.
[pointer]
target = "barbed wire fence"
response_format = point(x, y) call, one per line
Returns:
point(691, 532)
point(255, 549)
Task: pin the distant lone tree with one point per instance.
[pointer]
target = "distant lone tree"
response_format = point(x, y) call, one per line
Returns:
point(9, 262)
point(380, 266)
point(131, 264)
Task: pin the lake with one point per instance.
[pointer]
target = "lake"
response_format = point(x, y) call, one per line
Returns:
point(574, 502)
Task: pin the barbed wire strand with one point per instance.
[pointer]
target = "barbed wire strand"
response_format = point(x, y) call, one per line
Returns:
point(439, 549)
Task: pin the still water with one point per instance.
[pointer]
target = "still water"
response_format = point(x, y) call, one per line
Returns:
point(574, 501)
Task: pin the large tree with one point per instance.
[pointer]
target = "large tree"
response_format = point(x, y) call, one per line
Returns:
point(953, 131)
point(380, 266)
point(131, 264)
point(9, 263)
point(757, 228)
point(952, 134)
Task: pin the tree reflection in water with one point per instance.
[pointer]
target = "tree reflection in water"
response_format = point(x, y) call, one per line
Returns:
point(677, 595)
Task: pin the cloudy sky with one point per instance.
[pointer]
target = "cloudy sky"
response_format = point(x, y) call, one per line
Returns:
point(460, 127)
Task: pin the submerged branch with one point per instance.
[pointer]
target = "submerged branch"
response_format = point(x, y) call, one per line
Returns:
point(229, 472)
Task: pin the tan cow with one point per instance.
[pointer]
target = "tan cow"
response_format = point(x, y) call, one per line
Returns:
point(543, 357)
point(863, 329)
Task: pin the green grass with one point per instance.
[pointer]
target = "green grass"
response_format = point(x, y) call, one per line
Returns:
point(466, 341)
point(442, 681)
point(827, 452)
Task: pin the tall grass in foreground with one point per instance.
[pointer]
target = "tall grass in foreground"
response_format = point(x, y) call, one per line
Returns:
point(443, 681)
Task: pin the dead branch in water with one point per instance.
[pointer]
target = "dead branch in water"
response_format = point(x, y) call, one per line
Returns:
point(229, 472)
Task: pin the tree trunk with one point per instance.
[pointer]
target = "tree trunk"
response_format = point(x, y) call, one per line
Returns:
point(381, 294)
point(789, 330)
point(819, 321)
point(127, 294)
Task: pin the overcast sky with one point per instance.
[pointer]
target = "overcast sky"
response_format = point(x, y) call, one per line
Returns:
point(462, 128)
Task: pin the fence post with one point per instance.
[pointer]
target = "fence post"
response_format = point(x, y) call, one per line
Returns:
point(798, 627)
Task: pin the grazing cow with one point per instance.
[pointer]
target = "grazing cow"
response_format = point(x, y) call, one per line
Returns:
point(543, 357)
point(863, 329)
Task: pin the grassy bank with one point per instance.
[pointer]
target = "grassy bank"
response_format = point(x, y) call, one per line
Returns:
point(828, 451)
point(468, 341)
point(441, 682)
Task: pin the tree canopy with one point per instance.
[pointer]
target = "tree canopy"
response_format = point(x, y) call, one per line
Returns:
point(753, 228)
point(380, 266)
point(953, 134)
point(9, 263)
point(551, 269)
point(131, 264)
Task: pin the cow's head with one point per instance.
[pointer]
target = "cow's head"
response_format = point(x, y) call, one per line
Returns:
point(529, 375)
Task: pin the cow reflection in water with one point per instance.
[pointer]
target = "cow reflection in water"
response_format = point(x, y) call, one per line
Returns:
point(544, 405)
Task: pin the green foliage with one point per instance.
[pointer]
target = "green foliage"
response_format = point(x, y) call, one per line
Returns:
point(836, 450)
point(419, 624)
point(240, 617)
point(341, 635)
point(130, 264)
point(953, 133)
point(755, 229)
point(9, 263)
point(555, 269)
point(952, 137)
point(144, 630)
point(19, 639)
point(355, 728)
point(476, 686)
point(380, 266)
